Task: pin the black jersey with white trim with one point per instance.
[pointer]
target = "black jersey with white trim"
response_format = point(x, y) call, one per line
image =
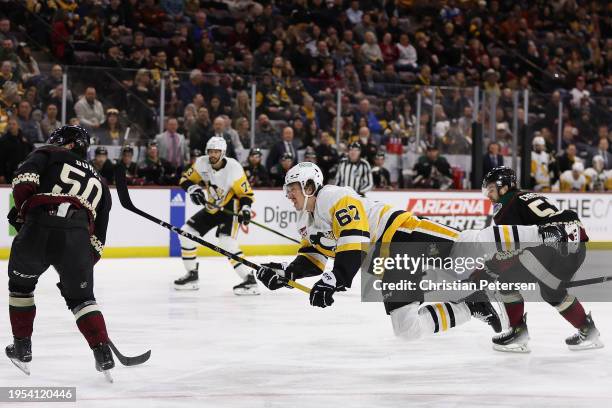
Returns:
point(528, 208)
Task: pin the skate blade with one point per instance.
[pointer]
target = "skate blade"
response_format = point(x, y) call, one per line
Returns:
point(188, 286)
point(592, 345)
point(25, 367)
point(246, 292)
point(107, 376)
point(512, 348)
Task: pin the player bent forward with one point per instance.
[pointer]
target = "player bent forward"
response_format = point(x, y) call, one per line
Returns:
point(219, 184)
point(338, 223)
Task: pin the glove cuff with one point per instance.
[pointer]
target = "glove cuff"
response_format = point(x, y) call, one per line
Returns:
point(329, 279)
point(193, 188)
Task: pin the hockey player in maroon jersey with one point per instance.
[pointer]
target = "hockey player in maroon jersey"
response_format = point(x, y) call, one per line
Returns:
point(546, 264)
point(61, 212)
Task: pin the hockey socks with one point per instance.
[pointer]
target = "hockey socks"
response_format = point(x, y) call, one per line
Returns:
point(515, 307)
point(90, 322)
point(22, 311)
point(572, 311)
point(443, 316)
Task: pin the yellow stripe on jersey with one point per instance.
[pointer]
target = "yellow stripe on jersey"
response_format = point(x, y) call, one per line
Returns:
point(315, 259)
point(507, 239)
point(436, 229)
point(442, 314)
point(241, 187)
point(349, 224)
point(405, 219)
point(192, 175)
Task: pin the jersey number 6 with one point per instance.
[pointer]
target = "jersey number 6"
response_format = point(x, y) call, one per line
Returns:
point(344, 216)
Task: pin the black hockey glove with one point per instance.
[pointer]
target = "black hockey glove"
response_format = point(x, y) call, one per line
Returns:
point(271, 279)
point(245, 215)
point(13, 218)
point(197, 194)
point(322, 292)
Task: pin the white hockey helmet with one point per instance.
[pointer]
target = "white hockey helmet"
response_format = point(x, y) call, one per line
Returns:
point(598, 162)
point(538, 141)
point(217, 143)
point(578, 167)
point(302, 173)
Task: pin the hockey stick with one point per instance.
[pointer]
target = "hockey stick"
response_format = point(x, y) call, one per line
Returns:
point(126, 202)
point(590, 281)
point(129, 361)
point(228, 212)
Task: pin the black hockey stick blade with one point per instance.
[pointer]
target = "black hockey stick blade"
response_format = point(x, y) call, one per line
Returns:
point(129, 361)
point(591, 281)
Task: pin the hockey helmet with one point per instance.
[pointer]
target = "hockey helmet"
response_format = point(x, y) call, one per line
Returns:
point(71, 134)
point(598, 162)
point(578, 167)
point(217, 143)
point(303, 173)
point(127, 149)
point(501, 176)
point(538, 141)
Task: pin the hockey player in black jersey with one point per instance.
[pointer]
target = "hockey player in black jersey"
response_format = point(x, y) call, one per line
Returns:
point(61, 212)
point(548, 265)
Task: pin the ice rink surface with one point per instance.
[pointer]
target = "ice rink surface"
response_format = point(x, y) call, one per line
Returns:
point(213, 349)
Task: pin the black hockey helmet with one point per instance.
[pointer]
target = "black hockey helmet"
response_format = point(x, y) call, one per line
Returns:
point(354, 145)
point(256, 151)
point(501, 176)
point(101, 151)
point(71, 134)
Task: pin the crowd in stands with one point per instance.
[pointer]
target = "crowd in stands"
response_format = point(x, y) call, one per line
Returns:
point(379, 54)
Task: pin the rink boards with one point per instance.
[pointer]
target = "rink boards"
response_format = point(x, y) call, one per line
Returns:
point(132, 236)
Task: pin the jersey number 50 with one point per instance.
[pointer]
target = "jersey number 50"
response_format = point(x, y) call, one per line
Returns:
point(75, 178)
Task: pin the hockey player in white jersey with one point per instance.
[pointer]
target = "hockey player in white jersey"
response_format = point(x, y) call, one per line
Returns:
point(597, 177)
point(339, 224)
point(216, 182)
point(574, 179)
point(540, 160)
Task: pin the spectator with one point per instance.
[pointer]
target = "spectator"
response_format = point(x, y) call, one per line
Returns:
point(173, 146)
point(242, 106)
point(6, 73)
point(14, 148)
point(30, 128)
point(244, 133)
point(280, 169)
point(492, 159)
point(354, 171)
point(234, 137)
point(432, 171)
point(89, 110)
point(407, 56)
point(111, 132)
point(27, 65)
point(255, 172)
point(288, 145)
point(380, 175)
point(327, 156)
point(580, 95)
point(353, 13)
point(371, 120)
point(155, 169)
point(5, 31)
point(370, 50)
point(390, 52)
point(142, 100)
point(602, 150)
point(50, 121)
point(567, 160)
point(126, 162)
point(200, 131)
point(265, 134)
point(188, 89)
point(103, 165)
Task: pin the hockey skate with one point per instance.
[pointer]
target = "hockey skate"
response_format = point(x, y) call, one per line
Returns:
point(20, 353)
point(189, 281)
point(104, 360)
point(514, 339)
point(586, 338)
point(248, 287)
point(482, 309)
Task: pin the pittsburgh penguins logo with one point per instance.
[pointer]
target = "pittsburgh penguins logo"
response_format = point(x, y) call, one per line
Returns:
point(323, 240)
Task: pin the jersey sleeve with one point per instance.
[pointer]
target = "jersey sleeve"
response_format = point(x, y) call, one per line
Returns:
point(190, 177)
point(27, 177)
point(351, 229)
point(242, 188)
point(536, 209)
point(309, 262)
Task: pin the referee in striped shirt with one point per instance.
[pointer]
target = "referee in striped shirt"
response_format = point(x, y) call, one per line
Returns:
point(355, 172)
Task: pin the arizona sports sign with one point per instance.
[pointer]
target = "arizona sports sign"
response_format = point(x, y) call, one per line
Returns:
point(461, 213)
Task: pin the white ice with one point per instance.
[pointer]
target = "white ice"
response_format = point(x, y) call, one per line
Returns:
point(213, 349)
